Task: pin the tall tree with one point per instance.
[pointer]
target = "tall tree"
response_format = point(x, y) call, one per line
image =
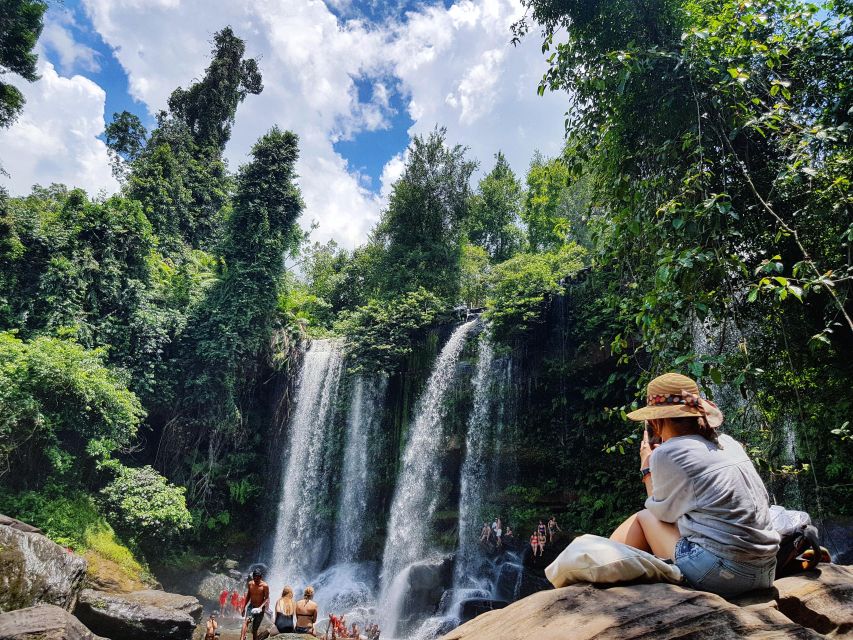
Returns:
point(227, 339)
point(21, 22)
point(181, 177)
point(421, 229)
point(208, 106)
point(494, 213)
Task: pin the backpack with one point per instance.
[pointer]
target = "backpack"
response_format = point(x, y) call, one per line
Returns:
point(799, 538)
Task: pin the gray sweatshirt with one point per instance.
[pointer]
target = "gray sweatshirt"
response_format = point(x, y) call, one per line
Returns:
point(714, 495)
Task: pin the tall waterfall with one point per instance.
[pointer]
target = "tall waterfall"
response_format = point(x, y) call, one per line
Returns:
point(301, 544)
point(416, 494)
point(476, 470)
point(365, 414)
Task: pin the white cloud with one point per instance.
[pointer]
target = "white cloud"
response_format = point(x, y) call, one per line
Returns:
point(57, 38)
point(55, 138)
point(454, 66)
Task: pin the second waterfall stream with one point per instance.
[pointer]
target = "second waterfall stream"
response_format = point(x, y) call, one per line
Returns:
point(331, 488)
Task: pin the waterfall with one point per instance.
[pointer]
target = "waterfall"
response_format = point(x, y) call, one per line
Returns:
point(301, 542)
point(416, 494)
point(364, 415)
point(476, 470)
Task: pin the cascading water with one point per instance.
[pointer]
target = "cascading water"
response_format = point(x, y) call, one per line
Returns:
point(415, 497)
point(362, 423)
point(301, 543)
point(476, 470)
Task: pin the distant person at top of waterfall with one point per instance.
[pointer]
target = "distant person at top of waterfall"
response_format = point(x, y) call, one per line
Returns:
point(553, 528)
point(534, 543)
point(306, 612)
point(541, 529)
point(498, 527)
point(285, 611)
point(508, 535)
point(707, 508)
point(256, 601)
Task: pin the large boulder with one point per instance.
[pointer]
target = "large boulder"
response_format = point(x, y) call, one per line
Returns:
point(142, 615)
point(821, 599)
point(584, 612)
point(44, 622)
point(35, 570)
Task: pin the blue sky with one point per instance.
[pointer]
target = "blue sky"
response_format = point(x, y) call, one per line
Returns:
point(355, 79)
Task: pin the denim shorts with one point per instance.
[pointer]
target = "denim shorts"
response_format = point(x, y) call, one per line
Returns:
point(706, 571)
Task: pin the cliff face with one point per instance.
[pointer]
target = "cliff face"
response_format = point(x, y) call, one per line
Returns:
point(810, 605)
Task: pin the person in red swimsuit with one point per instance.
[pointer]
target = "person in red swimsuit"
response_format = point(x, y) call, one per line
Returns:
point(235, 604)
point(223, 599)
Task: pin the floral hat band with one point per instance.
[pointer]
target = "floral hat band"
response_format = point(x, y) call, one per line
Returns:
point(689, 399)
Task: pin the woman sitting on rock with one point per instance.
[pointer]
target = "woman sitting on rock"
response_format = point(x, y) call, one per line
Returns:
point(285, 611)
point(707, 509)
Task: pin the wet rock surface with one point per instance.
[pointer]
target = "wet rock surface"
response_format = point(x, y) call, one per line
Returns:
point(44, 622)
point(811, 605)
point(142, 615)
point(35, 570)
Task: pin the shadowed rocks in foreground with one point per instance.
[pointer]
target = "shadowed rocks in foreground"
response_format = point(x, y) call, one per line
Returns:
point(44, 622)
point(806, 606)
point(142, 615)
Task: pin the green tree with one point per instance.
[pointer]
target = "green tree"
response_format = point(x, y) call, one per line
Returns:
point(421, 230)
point(547, 181)
point(21, 22)
point(208, 107)
point(125, 138)
point(493, 219)
point(227, 339)
point(180, 177)
point(61, 411)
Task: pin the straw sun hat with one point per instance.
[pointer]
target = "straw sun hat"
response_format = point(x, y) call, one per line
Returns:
point(673, 395)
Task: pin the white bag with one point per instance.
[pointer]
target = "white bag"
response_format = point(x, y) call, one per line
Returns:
point(600, 560)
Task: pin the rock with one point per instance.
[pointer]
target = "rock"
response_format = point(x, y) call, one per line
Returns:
point(141, 615)
point(44, 622)
point(821, 599)
point(35, 570)
point(423, 582)
point(584, 612)
point(210, 585)
point(229, 565)
point(235, 575)
point(17, 524)
point(472, 607)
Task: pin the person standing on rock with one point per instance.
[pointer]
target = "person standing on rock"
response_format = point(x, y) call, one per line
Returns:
point(307, 612)
point(256, 601)
point(707, 508)
point(553, 528)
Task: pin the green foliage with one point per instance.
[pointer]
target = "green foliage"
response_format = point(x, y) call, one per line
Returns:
point(125, 137)
point(421, 230)
point(229, 333)
point(144, 506)
point(492, 222)
point(474, 274)
point(61, 410)
point(21, 22)
point(209, 105)
point(523, 286)
point(381, 334)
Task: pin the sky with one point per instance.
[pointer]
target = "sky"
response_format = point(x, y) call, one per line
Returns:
point(355, 79)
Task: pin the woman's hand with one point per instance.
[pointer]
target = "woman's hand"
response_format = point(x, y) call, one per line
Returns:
point(646, 449)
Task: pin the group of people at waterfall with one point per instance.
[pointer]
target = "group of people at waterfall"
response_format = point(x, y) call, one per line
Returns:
point(289, 615)
point(337, 629)
point(495, 534)
point(543, 534)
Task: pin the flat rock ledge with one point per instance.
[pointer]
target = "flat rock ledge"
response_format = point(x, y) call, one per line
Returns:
point(44, 622)
point(816, 604)
point(141, 615)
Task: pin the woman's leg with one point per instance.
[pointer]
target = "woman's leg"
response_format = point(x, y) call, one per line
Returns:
point(645, 532)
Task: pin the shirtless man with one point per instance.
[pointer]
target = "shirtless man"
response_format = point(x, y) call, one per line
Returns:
point(306, 612)
point(211, 631)
point(256, 601)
